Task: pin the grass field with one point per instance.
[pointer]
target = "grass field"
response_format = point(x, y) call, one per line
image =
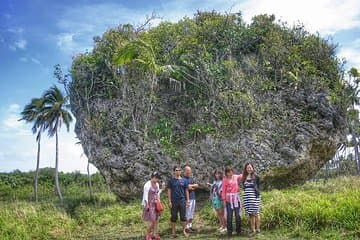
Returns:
point(312, 211)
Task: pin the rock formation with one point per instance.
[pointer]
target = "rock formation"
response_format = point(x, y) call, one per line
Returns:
point(209, 92)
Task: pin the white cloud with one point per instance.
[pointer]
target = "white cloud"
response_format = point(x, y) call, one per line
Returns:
point(65, 41)
point(36, 61)
point(78, 25)
point(352, 56)
point(324, 16)
point(31, 59)
point(18, 44)
point(11, 122)
point(14, 107)
point(21, 44)
point(16, 30)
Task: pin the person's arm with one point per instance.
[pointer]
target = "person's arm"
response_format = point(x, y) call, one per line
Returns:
point(146, 196)
point(193, 185)
point(257, 178)
point(161, 189)
point(223, 192)
point(239, 177)
point(169, 197)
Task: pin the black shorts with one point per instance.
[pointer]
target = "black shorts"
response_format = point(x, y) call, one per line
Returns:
point(178, 207)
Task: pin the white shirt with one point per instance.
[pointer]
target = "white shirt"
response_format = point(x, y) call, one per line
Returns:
point(147, 187)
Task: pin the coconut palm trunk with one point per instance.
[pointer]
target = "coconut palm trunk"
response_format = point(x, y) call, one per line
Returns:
point(37, 173)
point(356, 156)
point(89, 180)
point(57, 186)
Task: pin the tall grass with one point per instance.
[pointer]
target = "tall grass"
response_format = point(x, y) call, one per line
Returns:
point(311, 211)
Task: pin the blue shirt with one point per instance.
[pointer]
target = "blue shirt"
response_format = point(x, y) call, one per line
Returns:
point(191, 192)
point(178, 187)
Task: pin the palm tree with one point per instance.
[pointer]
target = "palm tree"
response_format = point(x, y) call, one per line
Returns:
point(55, 113)
point(354, 114)
point(32, 113)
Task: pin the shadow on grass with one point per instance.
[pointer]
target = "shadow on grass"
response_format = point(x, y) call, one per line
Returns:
point(70, 204)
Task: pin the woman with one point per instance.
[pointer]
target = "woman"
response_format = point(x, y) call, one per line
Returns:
point(215, 196)
point(230, 194)
point(250, 184)
point(150, 196)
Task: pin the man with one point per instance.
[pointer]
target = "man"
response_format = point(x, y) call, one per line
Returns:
point(178, 200)
point(191, 209)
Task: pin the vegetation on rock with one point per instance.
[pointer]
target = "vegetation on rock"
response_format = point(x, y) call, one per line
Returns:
point(209, 91)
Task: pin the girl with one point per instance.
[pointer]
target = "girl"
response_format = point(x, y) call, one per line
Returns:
point(150, 196)
point(215, 196)
point(230, 195)
point(250, 184)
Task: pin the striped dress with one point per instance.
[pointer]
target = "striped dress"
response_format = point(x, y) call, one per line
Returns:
point(251, 201)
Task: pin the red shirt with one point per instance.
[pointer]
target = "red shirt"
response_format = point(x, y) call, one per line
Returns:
point(230, 186)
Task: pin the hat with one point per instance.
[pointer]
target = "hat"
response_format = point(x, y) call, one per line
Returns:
point(156, 174)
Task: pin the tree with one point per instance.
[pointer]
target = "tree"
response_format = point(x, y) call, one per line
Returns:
point(55, 113)
point(32, 113)
point(353, 114)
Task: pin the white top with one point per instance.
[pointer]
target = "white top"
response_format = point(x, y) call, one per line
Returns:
point(147, 187)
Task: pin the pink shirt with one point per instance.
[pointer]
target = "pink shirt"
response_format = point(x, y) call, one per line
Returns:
point(230, 186)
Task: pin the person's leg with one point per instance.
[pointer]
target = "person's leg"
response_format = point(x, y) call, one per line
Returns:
point(257, 222)
point(149, 229)
point(190, 214)
point(218, 215)
point(252, 223)
point(182, 207)
point(174, 213)
point(222, 218)
point(155, 228)
point(229, 213)
point(237, 219)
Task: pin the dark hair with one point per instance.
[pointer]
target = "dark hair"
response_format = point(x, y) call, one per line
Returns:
point(156, 175)
point(245, 173)
point(256, 178)
point(220, 172)
point(228, 169)
point(175, 167)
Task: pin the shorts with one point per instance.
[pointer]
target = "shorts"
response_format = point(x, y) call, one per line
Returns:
point(217, 202)
point(178, 207)
point(190, 210)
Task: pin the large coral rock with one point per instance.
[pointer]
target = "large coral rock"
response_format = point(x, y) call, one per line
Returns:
point(131, 123)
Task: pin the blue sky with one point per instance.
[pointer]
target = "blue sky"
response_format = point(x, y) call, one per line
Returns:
point(35, 35)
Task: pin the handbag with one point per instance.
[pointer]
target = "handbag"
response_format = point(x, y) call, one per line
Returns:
point(159, 206)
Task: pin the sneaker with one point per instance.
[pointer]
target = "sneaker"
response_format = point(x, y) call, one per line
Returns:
point(222, 230)
point(189, 230)
point(257, 230)
point(192, 229)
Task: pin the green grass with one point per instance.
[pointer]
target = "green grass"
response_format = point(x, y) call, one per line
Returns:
point(310, 211)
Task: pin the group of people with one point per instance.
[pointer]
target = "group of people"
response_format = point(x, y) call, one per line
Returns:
point(224, 194)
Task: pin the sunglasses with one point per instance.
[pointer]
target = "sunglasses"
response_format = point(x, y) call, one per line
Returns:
point(177, 169)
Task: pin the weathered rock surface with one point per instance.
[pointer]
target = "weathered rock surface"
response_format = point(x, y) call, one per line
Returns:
point(125, 159)
point(294, 137)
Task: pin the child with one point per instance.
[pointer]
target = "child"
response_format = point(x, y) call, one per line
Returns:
point(215, 196)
